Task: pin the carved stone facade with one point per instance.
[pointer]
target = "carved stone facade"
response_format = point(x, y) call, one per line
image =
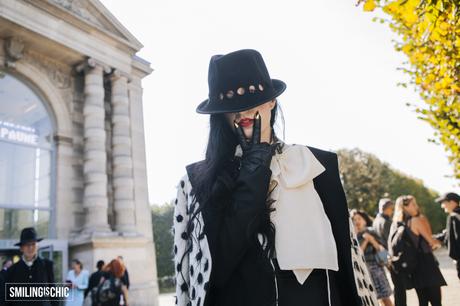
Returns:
point(83, 65)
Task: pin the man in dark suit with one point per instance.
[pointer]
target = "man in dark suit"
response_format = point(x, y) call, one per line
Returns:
point(382, 221)
point(450, 202)
point(30, 269)
point(95, 278)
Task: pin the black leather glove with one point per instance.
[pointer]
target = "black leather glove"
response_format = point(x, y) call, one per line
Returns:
point(255, 153)
point(226, 180)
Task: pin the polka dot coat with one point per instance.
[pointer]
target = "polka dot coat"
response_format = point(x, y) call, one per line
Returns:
point(192, 268)
point(193, 262)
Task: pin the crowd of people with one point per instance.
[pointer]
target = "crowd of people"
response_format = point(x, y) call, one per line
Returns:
point(107, 286)
point(400, 239)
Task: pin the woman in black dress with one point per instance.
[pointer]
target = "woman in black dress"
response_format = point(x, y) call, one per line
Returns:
point(259, 222)
point(427, 278)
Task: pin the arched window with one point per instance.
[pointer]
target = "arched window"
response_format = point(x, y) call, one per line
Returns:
point(26, 160)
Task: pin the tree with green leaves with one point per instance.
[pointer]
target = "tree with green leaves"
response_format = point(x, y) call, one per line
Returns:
point(366, 179)
point(162, 220)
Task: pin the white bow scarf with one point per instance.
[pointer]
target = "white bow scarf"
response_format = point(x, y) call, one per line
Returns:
point(303, 239)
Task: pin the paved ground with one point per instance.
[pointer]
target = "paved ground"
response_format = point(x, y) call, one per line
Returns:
point(450, 294)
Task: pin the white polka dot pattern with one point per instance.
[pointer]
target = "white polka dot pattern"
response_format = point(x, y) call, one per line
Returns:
point(362, 277)
point(192, 258)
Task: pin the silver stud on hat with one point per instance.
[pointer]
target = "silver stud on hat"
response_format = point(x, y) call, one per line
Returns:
point(261, 88)
point(221, 96)
point(252, 89)
point(230, 94)
point(240, 91)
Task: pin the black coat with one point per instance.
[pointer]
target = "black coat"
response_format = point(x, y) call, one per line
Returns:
point(125, 278)
point(3, 274)
point(330, 190)
point(94, 281)
point(453, 234)
point(41, 271)
point(240, 274)
point(382, 225)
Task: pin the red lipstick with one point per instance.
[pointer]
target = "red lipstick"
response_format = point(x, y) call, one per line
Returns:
point(246, 122)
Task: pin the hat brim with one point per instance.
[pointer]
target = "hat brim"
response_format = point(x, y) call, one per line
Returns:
point(24, 242)
point(206, 107)
point(440, 199)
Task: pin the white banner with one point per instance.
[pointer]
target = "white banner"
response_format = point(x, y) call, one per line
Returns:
point(18, 133)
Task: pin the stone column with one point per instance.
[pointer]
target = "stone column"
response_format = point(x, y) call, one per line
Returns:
point(68, 207)
point(123, 182)
point(95, 201)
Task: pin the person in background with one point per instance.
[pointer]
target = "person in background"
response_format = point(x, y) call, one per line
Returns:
point(6, 265)
point(427, 278)
point(450, 202)
point(95, 278)
point(113, 273)
point(402, 281)
point(371, 243)
point(382, 222)
point(77, 278)
point(31, 268)
point(125, 278)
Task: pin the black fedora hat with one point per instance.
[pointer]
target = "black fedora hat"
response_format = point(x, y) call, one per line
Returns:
point(28, 234)
point(448, 196)
point(239, 81)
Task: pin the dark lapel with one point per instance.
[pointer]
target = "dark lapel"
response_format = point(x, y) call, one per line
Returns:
point(330, 190)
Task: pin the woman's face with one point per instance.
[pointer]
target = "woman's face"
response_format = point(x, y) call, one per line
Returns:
point(449, 206)
point(359, 223)
point(245, 120)
point(75, 266)
point(412, 208)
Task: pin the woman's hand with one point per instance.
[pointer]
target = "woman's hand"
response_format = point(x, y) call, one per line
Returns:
point(435, 244)
point(368, 237)
point(255, 153)
point(225, 180)
point(371, 239)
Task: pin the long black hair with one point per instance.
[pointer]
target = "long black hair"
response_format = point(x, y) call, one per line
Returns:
point(220, 151)
point(363, 215)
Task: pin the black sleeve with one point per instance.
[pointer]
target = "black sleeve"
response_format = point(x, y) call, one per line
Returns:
point(91, 283)
point(379, 239)
point(386, 232)
point(126, 279)
point(330, 190)
point(50, 276)
point(346, 272)
point(49, 271)
point(2, 287)
point(9, 278)
point(229, 230)
point(454, 240)
point(48, 264)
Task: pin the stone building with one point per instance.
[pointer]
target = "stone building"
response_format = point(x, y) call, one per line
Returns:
point(72, 152)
